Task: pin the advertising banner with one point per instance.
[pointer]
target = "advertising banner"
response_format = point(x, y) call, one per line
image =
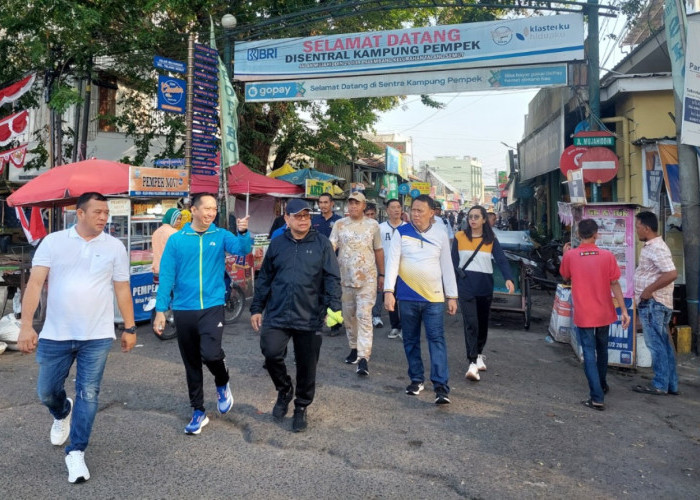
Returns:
point(506, 42)
point(668, 153)
point(142, 288)
point(171, 94)
point(421, 187)
point(315, 188)
point(429, 82)
point(690, 132)
point(616, 233)
point(158, 182)
point(392, 160)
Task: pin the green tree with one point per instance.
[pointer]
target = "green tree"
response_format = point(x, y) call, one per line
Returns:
point(64, 41)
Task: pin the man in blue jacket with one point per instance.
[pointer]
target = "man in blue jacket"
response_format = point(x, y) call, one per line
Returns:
point(192, 269)
point(299, 280)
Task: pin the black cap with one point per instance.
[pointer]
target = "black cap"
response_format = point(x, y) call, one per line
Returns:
point(296, 205)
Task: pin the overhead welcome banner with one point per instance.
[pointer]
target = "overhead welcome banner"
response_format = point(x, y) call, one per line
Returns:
point(429, 82)
point(534, 40)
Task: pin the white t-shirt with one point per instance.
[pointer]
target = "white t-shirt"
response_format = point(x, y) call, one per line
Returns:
point(81, 293)
point(387, 231)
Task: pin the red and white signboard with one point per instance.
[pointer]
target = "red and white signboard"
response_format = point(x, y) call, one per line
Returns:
point(571, 159)
point(599, 165)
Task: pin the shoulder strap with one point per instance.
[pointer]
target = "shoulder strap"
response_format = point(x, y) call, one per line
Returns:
point(469, 261)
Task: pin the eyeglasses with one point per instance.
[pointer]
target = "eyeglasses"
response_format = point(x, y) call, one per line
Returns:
point(474, 216)
point(302, 216)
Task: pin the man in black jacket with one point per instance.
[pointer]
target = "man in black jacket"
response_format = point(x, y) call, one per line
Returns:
point(299, 280)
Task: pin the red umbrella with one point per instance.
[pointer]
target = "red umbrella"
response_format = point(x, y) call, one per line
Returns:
point(63, 184)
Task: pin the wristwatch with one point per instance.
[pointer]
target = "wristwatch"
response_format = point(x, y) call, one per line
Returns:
point(130, 330)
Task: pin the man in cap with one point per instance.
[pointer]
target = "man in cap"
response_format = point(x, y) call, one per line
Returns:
point(298, 282)
point(361, 261)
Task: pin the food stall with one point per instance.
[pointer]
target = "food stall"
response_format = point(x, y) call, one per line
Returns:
point(616, 233)
point(134, 218)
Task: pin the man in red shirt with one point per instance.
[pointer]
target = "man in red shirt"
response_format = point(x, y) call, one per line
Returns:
point(593, 273)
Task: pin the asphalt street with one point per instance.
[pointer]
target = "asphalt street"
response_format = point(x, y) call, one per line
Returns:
point(520, 432)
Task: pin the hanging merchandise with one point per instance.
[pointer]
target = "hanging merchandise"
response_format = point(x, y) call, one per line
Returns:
point(12, 126)
point(14, 156)
point(16, 90)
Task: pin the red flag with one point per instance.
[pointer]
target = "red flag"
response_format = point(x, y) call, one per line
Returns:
point(33, 230)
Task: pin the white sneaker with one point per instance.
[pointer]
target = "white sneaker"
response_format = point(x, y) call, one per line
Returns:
point(473, 373)
point(60, 430)
point(377, 322)
point(394, 333)
point(480, 363)
point(77, 470)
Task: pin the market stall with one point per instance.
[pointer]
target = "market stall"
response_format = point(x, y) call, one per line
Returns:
point(137, 197)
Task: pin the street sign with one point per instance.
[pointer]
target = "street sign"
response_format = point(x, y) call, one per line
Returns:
point(205, 49)
point(203, 146)
point(206, 67)
point(171, 94)
point(206, 103)
point(594, 138)
point(205, 93)
point(571, 158)
point(206, 84)
point(203, 137)
point(207, 59)
point(599, 165)
point(203, 75)
point(203, 171)
point(169, 65)
point(170, 162)
point(404, 188)
point(203, 163)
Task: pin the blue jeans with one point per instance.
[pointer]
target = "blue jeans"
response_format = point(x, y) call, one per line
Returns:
point(655, 318)
point(413, 313)
point(55, 359)
point(594, 342)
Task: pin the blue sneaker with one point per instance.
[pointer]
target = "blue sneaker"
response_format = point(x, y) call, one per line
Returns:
point(225, 399)
point(199, 420)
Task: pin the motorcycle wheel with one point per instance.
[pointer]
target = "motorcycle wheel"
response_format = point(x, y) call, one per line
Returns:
point(234, 304)
point(169, 332)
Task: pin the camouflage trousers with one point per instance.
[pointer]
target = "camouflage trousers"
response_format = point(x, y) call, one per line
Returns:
point(357, 315)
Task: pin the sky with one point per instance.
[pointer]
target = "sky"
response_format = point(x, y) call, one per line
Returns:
point(470, 124)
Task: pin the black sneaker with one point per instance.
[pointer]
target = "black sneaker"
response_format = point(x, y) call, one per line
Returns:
point(415, 388)
point(441, 397)
point(362, 367)
point(299, 423)
point(282, 404)
point(352, 357)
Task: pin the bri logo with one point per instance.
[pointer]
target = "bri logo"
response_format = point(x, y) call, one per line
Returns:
point(258, 54)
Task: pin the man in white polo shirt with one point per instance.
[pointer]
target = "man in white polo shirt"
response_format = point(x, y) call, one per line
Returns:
point(85, 268)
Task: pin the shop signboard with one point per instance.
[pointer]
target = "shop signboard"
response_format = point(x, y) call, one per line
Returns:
point(690, 132)
point(421, 187)
point(158, 182)
point(315, 188)
point(142, 288)
point(392, 160)
point(171, 94)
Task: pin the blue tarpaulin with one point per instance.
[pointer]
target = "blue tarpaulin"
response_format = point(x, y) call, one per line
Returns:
point(299, 177)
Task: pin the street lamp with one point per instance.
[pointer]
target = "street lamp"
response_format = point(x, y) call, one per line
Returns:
point(228, 22)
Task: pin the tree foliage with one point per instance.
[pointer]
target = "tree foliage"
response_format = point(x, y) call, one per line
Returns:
point(64, 41)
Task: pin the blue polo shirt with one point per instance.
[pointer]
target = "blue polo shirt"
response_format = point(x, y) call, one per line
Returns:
point(323, 226)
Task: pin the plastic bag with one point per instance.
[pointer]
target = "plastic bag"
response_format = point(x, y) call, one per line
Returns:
point(9, 331)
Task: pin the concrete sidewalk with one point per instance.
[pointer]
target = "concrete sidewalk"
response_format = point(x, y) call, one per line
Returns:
point(519, 433)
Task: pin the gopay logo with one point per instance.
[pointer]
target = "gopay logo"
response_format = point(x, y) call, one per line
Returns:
point(259, 54)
